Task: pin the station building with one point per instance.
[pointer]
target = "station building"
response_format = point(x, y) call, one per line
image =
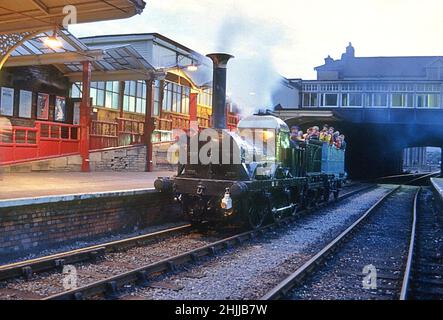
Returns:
point(142, 87)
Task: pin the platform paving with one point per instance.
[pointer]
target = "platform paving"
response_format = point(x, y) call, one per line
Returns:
point(31, 185)
point(437, 183)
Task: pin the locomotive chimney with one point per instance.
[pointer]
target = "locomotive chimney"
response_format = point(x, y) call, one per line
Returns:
point(220, 61)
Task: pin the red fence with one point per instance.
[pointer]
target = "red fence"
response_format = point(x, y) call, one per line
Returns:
point(45, 140)
point(232, 121)
point(130, 131)
point(103, 134)
point(123, 132)
point(51, 139)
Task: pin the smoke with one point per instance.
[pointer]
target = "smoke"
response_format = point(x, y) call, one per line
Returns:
point(252, 76)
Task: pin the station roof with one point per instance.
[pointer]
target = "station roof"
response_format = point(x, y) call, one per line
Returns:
point(37, 15)
point(201, 78)
point(381, 67)
point(34, 52)
point(117, 63)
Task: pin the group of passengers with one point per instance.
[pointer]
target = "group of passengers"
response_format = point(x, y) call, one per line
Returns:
point(327, 135)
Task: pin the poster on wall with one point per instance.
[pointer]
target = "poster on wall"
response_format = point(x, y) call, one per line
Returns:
point(76, 118)
point(25, 106)
point(43, 106)
point(7, 102)
point(60, 109)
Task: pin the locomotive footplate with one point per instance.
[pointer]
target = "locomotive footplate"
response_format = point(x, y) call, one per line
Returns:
point(201, 186)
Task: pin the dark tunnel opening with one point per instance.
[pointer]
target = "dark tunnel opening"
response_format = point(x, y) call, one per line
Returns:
point(422, 159)
point(377, 150)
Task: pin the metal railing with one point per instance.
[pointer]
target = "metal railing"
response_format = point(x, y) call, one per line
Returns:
point(46, 139)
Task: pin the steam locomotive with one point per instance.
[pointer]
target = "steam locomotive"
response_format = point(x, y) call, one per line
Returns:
point(253, 174)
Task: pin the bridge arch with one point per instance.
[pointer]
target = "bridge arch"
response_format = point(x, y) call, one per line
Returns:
point(374, 149)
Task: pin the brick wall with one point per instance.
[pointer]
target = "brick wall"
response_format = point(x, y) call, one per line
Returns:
point(160, 157)
point(32, 228)
point(131, 159)
point(59, 164)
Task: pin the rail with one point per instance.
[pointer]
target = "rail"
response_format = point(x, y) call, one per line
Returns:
point(407, 273)
point(43, 264)
point(282, 289)
point(110, 286)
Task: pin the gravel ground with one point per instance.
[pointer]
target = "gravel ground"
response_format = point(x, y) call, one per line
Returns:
point(383, 242)
point(427, 277)
point(249, 271)
point(50, 283)
point(120, 236)
point(83, 244)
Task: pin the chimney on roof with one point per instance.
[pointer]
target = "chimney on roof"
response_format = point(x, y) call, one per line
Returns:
point(350, 52)
point(328, 60)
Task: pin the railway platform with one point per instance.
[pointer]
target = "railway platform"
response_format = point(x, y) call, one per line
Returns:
point(45, 210)
point(437, 184)
point(32, 185)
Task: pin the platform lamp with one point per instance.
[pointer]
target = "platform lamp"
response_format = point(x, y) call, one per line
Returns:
point(192, 67)
point(53, 42)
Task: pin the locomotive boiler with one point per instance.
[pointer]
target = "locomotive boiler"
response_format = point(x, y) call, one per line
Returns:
point(253, 174)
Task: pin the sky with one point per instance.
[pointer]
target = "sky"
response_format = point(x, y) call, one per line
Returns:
point(293, 35)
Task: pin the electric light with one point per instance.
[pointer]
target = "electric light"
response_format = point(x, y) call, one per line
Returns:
point(192, 68)
point(53, 42)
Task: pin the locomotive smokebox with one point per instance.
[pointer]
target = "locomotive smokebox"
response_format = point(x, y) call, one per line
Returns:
point(220, 61)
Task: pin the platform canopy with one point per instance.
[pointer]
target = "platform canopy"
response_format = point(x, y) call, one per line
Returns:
point(34, 51)
point(117, 63)
point(18, 16)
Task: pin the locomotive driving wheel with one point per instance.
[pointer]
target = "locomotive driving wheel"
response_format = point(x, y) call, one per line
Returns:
point(336, 195)
point(326, 194)
point(256, 211)
point(280, 200)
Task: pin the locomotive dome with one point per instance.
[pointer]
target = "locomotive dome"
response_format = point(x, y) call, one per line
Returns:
point(263, 122)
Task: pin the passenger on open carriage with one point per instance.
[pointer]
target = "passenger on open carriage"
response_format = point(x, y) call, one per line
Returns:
point(326, 135)
point(343, 142)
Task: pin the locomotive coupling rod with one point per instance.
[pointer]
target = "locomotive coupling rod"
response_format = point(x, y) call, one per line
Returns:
point(291, 206)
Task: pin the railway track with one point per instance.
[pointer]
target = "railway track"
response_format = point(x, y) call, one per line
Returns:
point(409, 178)
point(109, 286)
point(425, 277)
point(29, 268)
point(379, 244)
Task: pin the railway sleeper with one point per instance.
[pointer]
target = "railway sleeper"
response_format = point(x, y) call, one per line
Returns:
point(59, 264)
point(142, 278)
point(111, 290)
point(27, 272)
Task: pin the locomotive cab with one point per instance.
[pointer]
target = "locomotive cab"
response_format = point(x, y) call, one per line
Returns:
point(268, 139)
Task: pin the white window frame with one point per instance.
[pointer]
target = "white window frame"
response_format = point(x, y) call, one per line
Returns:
point(348, 94)
point(323, 99)
point(404, 94)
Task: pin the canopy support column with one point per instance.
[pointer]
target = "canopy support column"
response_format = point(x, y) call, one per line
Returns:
point(149, 125)
point(85, 116)
point(193, 107)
